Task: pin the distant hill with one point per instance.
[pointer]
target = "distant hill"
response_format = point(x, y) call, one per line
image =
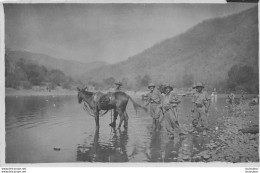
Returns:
point(70, 68)
point(206, 52)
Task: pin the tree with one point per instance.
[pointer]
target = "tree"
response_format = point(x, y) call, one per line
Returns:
point(138, 81)
point(241, 74)
point(141, 82)
point(26, 73)
point(125, 82)
point(243, 77)
point(36, 74)
point(146, 80)
point(56, 77)
point(109, 81)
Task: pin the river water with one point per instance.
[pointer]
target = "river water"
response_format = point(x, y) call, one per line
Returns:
point(52, 129)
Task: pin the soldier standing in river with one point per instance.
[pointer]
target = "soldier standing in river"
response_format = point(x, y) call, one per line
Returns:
point(154, 103)
point(169, 106)
point(118, 86)
point(201, 103)
point(193, 91)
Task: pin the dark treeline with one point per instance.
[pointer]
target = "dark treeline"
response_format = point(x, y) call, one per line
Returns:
point(25, 74)
point(239, 78)
point(243, 78)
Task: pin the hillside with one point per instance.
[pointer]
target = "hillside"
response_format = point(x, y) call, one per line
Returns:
point(70, 68)
point(25, 74)
point(206, 52)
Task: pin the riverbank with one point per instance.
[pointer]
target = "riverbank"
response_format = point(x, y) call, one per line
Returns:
point(23, 92)
point(57, 92)
point(232, 142)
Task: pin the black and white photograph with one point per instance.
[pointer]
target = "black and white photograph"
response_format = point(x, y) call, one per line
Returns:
point(131, 82)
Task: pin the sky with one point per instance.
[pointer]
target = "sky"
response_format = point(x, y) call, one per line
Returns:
point(102, 32)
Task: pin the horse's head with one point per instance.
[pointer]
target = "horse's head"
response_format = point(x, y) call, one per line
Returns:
point(83, 95)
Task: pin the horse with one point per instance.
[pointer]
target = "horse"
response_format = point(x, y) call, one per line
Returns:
point(117, 101)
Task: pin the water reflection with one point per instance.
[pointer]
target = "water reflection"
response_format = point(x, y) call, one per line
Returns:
point(105, 152)
point(171, 151)
point(154, 153)
point(30, 111)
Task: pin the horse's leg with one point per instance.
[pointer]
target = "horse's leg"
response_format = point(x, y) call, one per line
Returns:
point(122, 117)
point(126, 120)
point(115, 114)
point(97, 119)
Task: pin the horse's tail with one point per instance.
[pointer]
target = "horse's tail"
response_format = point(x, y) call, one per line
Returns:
point(136, 105)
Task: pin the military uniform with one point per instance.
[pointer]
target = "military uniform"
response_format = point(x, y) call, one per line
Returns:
point(118, 89)
point(154, 99)
point(200, 99)
point(169, 104)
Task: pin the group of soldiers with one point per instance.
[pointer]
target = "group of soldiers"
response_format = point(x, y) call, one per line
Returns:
point(164, 107)
point(166, 104)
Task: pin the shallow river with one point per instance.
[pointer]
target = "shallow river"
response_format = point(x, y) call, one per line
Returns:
point(43, 129)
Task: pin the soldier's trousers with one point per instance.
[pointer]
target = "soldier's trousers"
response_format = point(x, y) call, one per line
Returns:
point(200, 117)
point(154, 110)
point(171, 123)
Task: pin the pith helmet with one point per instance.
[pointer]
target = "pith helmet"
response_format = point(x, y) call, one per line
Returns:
point(151, 85)
point(169, 86)
point(199, 84)
point(118, 83)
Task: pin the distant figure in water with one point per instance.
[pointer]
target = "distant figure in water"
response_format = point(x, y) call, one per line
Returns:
point(232, 97)
point(214, 96)
point(242, 97)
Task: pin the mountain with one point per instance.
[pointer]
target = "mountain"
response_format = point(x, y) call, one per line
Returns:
point(69, 67)
point(205, 52)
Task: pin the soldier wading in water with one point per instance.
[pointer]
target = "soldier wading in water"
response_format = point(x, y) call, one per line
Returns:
point(201, 104)
point(169, 106)
point(118, 86)
point(154, 103)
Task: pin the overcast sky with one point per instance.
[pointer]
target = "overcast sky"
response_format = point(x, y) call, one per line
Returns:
point(102, 32)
